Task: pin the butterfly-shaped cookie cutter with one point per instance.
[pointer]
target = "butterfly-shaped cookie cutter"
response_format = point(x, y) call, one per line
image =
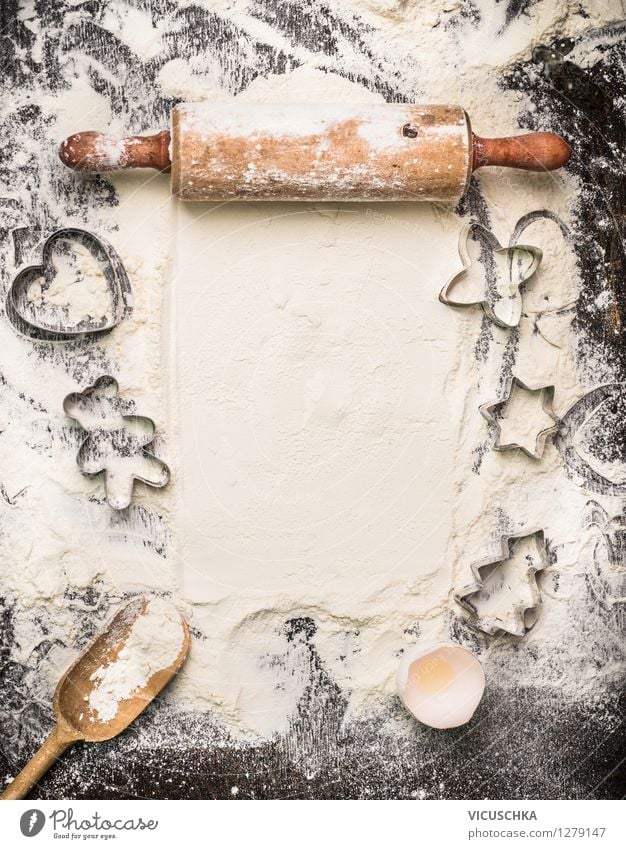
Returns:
point(517, 274)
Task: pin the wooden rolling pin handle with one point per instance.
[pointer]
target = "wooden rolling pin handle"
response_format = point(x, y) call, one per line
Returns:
point(93, 152)
point(52, 748)
point(531, 152)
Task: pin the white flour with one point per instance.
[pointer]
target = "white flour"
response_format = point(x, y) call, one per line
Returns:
point(154, 643)
point(78, 286)
point(315, 326)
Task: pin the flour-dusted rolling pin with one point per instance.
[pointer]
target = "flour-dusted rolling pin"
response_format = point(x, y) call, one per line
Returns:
point(258, 151)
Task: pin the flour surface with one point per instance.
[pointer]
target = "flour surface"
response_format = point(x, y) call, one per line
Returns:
point(318, 407)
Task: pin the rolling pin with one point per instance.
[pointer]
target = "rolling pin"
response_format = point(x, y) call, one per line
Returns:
point(315, 152)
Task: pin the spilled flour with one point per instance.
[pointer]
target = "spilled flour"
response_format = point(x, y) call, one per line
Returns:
point(154, 643)
point(318, 406)
point(77, 285)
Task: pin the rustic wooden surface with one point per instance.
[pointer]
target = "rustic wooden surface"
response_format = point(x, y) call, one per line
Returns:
point(523, 743)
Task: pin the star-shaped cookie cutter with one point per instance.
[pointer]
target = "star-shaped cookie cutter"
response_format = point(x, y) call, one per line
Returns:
point(524, 614)
point(518, 274)
point(491, 410)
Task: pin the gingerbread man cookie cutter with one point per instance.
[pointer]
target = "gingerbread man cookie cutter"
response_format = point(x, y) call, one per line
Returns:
point(116, 444)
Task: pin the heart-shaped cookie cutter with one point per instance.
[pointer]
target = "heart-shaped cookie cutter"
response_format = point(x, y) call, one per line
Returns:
point(22, 314)
point(517, 275)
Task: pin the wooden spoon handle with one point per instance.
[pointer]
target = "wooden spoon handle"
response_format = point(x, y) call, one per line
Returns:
point(52, 749)
point(95, 152)
point(531, 152)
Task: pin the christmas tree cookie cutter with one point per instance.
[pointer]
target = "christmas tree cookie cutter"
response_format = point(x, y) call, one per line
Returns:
point(491, 412)
point(116, 444)
point(502, 600)
point(522, 261)
point(43, 324)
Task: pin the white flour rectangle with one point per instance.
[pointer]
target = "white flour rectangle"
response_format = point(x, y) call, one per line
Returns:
point(316, 441)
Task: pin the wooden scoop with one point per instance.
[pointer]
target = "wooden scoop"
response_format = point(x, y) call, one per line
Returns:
point(75, 720)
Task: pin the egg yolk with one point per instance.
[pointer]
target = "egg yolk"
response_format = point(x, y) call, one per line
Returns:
point(432, 673)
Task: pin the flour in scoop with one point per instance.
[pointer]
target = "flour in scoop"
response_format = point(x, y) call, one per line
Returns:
point(154, 643)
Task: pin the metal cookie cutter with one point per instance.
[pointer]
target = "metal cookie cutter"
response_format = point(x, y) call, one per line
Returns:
point(491, 412)
point(505, 596)
point(52, 324)
point(116, 444)
point(521, 263)
point(590, 437)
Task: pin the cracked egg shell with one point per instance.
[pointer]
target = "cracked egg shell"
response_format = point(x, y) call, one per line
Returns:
point(441, 685)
